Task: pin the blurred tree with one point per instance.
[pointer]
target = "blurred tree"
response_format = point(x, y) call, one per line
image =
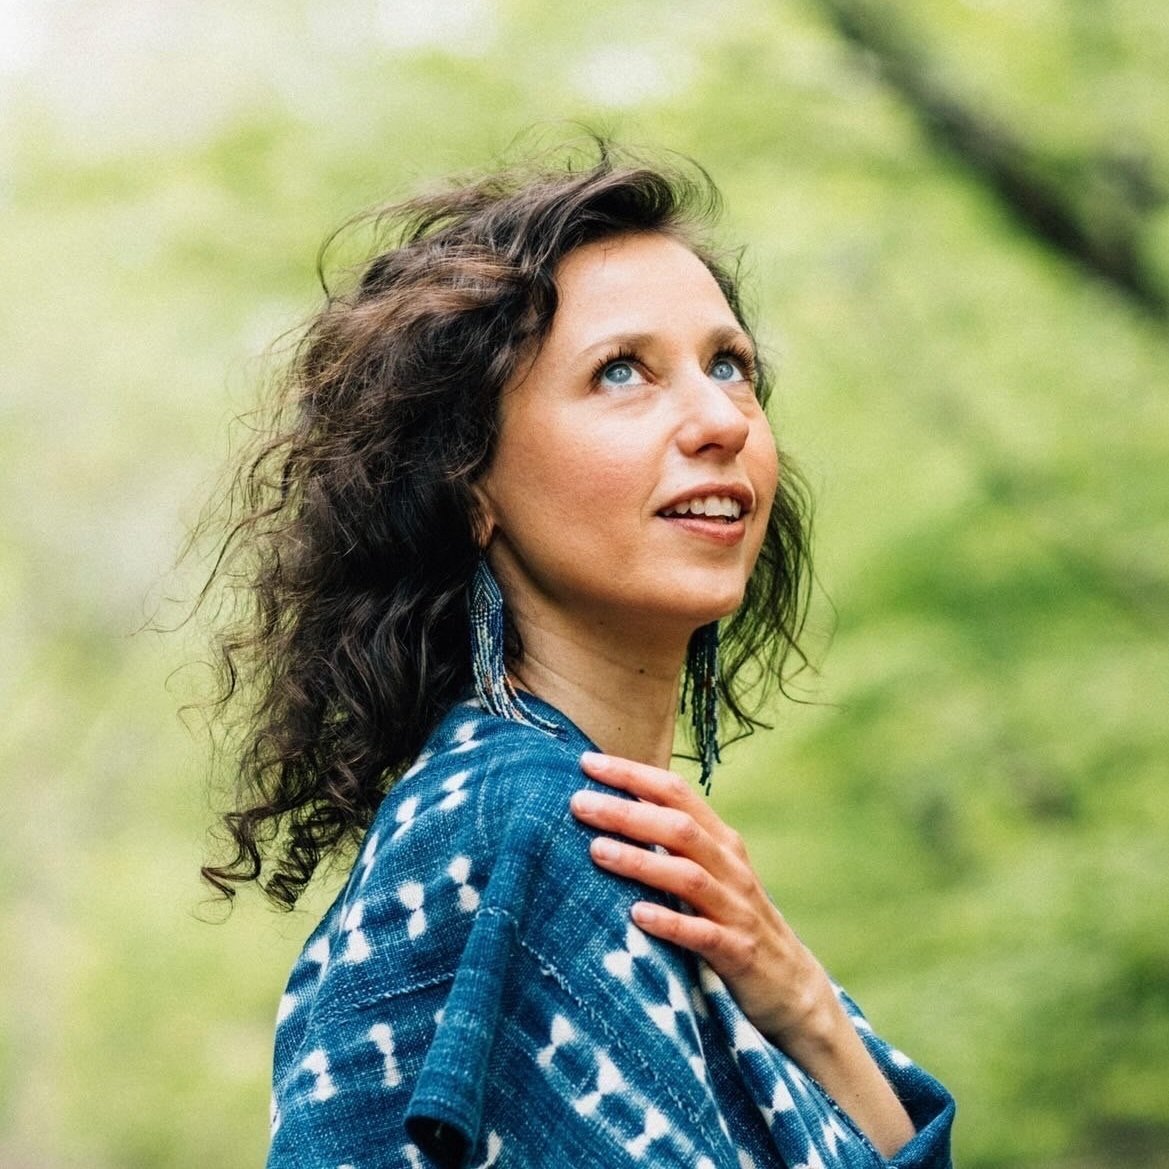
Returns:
point(969, 823)
point(1095, 210)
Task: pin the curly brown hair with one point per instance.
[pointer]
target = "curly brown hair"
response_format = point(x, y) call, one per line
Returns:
point(357, 543)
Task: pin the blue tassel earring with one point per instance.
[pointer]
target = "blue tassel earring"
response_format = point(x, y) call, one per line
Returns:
point(700, 685)
point(493, 688)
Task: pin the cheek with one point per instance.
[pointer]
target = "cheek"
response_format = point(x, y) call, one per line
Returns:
point(564, 473)
point(763, 467)
point(606, 477)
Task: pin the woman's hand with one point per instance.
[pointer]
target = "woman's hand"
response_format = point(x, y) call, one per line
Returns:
point(736, 928)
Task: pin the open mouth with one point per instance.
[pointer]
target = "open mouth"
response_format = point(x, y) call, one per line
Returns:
point(717, 508)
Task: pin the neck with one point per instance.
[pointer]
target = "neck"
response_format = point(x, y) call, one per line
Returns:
point(620, 690)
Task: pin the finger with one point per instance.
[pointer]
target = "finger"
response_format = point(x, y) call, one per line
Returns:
point(642, 780)
point(674, 830)
point(722, 947)
point(670, 874)
point(654, 784)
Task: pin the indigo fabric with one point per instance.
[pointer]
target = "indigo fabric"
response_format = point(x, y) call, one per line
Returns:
point(478, 996)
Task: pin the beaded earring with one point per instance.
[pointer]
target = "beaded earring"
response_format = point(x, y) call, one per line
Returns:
point(493, 688)
point(700, 685)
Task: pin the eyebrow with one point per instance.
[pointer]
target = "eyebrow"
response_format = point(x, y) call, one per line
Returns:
point(719, 336)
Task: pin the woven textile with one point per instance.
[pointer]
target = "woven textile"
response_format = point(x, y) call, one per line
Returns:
point(478, 995)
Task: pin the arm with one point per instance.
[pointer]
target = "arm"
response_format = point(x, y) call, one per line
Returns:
point(776, 980)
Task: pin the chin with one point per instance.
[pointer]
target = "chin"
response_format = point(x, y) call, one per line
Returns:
point(714, 609)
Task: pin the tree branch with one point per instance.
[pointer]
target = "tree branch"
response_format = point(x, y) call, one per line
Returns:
point(1106, 245)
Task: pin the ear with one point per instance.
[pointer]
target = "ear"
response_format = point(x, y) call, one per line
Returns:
point(482, 517)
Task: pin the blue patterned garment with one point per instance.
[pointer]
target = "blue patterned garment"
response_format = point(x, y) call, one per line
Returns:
point(478, 995)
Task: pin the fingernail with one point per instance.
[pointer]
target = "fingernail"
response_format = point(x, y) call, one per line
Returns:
point(592, 759)
point(604, 848)
point(586, 801)
point(644, 914)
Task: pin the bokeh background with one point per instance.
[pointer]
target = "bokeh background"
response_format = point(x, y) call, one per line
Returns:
point(957, 218)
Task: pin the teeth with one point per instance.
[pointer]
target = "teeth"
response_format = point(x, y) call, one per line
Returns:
point(713, 505)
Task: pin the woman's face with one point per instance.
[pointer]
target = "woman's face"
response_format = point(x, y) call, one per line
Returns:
point(635, 469)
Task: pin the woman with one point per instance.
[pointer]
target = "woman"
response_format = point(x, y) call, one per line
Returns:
point(522, 475)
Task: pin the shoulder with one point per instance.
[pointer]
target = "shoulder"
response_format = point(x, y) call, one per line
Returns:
point(484, 793)
point(491, 796)
point(506, 775)
point(463, 831)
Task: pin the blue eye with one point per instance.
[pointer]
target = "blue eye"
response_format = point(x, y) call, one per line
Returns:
point(619, 373)
point(726, 370)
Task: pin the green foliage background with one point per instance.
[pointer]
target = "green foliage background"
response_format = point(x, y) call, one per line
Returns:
point(968, 823)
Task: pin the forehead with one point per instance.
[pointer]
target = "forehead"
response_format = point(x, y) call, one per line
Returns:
point(634, 280)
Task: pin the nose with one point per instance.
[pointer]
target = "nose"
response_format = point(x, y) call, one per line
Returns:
point(711, 420)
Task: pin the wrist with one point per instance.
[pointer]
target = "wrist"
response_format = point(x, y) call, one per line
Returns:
point(818, 1025)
